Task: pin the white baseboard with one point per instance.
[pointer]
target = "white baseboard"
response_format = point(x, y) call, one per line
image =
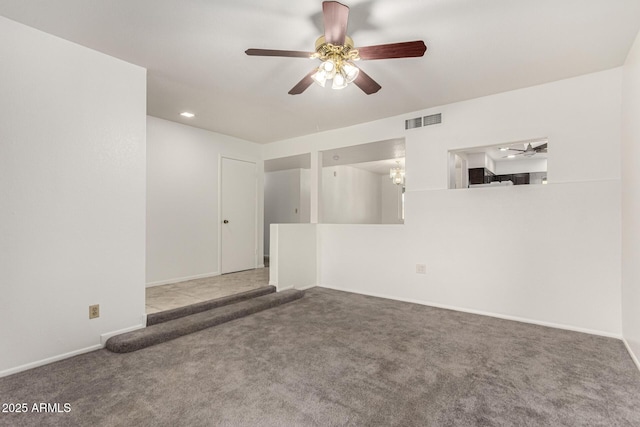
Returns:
point(105, 337)
point(103, 340)
point(482, 313)
point(48, 360)
point(631, 353)
point(181, 279)
point(300, 288)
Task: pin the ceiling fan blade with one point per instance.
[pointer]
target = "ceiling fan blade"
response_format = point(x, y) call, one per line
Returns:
point(366, 83)
point(393, 50)
point(336, 16)
point(303, 84)
point(541, 148)
point(273, 52)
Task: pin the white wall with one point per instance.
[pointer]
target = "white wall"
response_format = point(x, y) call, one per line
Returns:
point(350, 196)
point(72, 186)
point(305, 196)
point(572, 224)
point(631, 201)
point(293, 260)
point(183, 199)
point(390, 201)
point(520, 166)
point(545, 253)
point(481, 160)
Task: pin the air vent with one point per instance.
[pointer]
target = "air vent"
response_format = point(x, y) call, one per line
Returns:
point(413, 123)
point(433, 119)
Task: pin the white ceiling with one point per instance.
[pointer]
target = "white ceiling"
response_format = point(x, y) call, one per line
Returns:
point(380, 167)
point(301, 161)
point(364, 153)
point(377, 157)
point(194, 53)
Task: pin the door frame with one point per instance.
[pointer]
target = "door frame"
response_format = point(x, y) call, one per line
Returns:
point(256, 210)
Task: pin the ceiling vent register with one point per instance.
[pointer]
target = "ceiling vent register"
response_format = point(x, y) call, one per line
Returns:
point(419, 122)
point(433, 119)
point(413, 123)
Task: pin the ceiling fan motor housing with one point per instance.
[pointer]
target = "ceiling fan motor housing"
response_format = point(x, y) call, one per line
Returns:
point(336, 50)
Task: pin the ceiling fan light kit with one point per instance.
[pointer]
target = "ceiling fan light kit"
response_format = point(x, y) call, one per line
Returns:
point(337, 63)
point(336, 51)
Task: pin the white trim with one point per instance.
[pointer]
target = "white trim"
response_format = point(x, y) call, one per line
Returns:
point(48, 360)
point(273, 255)
point(631, 353)
point(304, 288)
point(279, 289)
point(103, 340)
point(318, 252)
point(482, 313)
point(181, 279)
point(219, 202)
point(105, 337)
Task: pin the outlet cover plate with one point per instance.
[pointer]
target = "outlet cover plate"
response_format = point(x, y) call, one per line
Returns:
point(94, 311)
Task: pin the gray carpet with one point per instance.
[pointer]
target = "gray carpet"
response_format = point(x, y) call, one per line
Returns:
point(334, 358)
point(172, 329)
point(176, 313)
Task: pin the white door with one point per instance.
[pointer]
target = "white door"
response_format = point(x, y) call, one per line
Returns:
point(239, 216)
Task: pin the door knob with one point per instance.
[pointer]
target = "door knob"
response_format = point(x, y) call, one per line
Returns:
point(226, 221)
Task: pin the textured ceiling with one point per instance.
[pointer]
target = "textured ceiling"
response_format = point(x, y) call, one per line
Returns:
point(194, 53)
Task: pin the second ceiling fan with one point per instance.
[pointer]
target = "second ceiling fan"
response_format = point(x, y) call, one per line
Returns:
point(337, 52)
point(529, 150)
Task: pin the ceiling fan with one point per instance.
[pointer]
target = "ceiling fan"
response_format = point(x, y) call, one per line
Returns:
point(336, 51)
point(529, 151)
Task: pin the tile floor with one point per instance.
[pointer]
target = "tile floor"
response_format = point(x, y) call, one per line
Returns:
point(167, 297)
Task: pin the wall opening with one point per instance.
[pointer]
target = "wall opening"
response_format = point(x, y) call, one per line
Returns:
point(286, 193)
point(357, 187)
point(499, 165)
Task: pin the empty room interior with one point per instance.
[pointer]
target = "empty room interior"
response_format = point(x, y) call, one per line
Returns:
point(313, 213)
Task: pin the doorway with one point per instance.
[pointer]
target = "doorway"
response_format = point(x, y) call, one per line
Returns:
point(238, 243)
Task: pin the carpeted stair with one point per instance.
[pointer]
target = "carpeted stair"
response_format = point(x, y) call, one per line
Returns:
point(173, 327)
point(176, 313)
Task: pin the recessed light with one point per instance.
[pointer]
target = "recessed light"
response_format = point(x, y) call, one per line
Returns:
point(187, 114)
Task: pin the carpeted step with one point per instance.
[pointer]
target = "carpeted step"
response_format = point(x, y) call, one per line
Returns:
point(176, 313)
point(151, 335)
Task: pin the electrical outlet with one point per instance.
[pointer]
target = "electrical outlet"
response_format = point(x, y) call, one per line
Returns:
point(94, 311)
point(421, 269)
